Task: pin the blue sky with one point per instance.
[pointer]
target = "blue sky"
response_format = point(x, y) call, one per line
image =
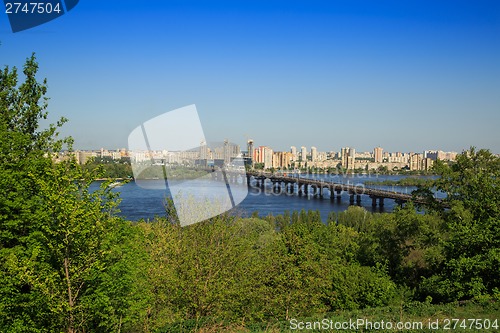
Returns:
point(405, 75)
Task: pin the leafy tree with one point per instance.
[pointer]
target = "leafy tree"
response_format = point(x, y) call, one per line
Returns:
point(473, 180)
point(211, 269)
point(64, 259)
point(471, 252)
point(355, 287)
point(297, 278)
point(22, 149)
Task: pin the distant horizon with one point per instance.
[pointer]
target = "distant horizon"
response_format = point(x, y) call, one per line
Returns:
point(243, 149)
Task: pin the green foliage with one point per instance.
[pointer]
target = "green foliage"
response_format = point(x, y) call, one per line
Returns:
point(469, 268)
point(66, 263)
point(355, 287)
point(210, 269)
point(474, 181)
point(258, 166)
point(298, 273)
point(110, 169)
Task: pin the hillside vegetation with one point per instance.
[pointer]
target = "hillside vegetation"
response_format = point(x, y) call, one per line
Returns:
point(68, 263)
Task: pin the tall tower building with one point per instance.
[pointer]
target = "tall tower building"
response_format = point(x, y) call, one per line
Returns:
point(348, 158)
point(344, 157)
point(264, 155)
point(293, 150)
point(377, 154)
point(303, 153)
point(314, 154)
point(267, 157)
point(204, 153)
point(227, 152)
point(250, 150)
point(415, 162)
point(352, 159)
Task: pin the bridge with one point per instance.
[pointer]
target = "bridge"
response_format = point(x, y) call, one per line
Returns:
point(316, 188)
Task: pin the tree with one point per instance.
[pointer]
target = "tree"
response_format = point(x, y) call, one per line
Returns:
point(22, 149)
point(297, 273)
point(64, 258)
point(474, 180)
point(472, 250)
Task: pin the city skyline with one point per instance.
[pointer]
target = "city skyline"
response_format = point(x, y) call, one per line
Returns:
point(400, 75)
point(347, 157)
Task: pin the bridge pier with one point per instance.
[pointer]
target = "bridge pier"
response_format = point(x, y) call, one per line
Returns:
point(321, 192)
point(380, 201)
point(351, 198)
point(314, 190)
point(299, 189)
point(400, 202)
point(358, 199)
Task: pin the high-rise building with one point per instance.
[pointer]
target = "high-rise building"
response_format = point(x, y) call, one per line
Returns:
point(427, 163)
point(303, 153)
point(204, 152)
point(264, 155)
point(256, 155)
point(293, 150)
point(250, 150)
point(83, 156)
point(377, 154)
point(343, 156)
point(259, 154)
point(314, 154)
point(282, 159)
point(348, 158)
point(268, 158)
point(415, 162)
point(440, 155)
point(227, 152)
point(352, 158)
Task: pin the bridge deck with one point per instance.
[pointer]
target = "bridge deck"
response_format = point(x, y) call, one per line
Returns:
point(350, 188)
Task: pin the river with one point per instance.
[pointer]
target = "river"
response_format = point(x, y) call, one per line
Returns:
point(140, 203)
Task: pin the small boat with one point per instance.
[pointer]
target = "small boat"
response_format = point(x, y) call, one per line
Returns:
point(115, 184)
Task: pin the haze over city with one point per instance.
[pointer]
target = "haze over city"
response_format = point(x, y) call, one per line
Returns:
point(406, 76)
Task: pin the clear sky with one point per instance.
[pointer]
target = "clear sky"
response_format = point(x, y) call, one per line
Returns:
point(406, 75)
